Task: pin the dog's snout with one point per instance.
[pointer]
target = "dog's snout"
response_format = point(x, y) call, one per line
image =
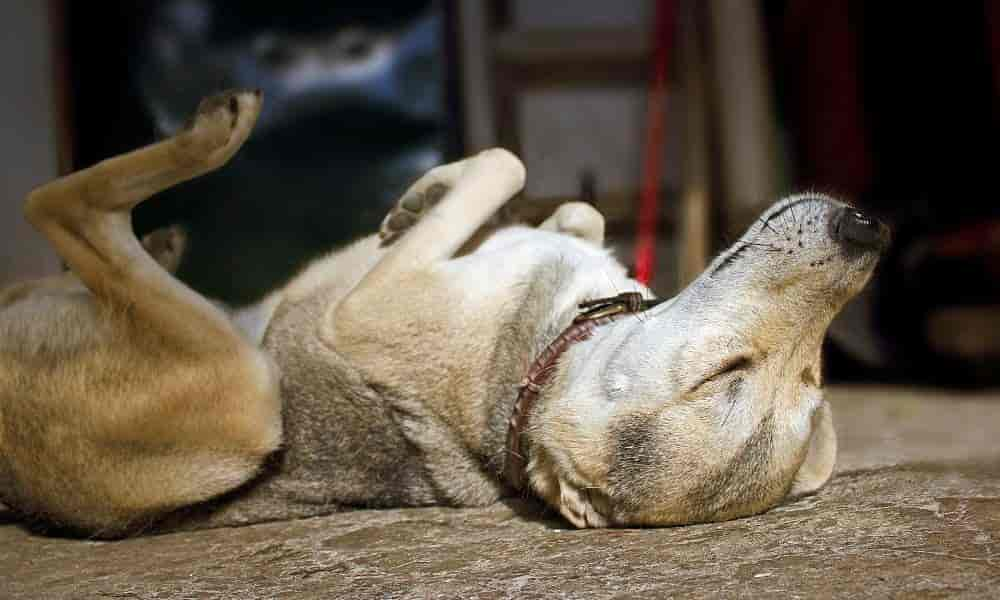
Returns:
point(854, 227)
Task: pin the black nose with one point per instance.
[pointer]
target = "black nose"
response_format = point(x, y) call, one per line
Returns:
point(854, 227)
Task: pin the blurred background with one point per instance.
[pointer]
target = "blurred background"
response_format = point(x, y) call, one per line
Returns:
point(679, 119)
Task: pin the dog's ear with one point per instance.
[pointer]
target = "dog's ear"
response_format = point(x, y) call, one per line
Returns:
point(583, 506)
point(822, 454)
point(578, 506)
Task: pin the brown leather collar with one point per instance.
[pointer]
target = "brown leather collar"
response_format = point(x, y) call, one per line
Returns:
point(595, 313)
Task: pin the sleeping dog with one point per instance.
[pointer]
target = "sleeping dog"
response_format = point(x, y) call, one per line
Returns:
point(444, 360)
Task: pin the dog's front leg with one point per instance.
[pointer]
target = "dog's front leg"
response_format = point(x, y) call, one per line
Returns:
point(388, 342)
point(473, 190)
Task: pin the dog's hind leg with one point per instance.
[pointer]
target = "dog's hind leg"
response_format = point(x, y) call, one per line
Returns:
point(146, 398)
point(86, 216)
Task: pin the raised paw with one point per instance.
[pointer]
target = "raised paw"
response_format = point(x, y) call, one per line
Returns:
point(408, 211)
point(577, 219)
point(219, 127)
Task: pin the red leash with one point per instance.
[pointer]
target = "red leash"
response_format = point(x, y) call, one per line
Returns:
point(652, 166)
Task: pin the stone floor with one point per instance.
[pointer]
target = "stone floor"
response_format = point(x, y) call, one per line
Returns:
point(913, 512)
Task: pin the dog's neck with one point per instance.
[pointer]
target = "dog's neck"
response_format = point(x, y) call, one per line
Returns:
point(531, 325)
point(594, 313)
point(538, 321)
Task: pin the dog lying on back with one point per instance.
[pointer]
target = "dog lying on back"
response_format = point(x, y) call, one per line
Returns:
point(441, 362)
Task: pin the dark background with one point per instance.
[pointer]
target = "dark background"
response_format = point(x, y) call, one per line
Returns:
point(321, 167)
point(894, 107)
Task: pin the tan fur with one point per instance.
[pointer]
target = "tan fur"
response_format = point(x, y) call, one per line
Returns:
point(125, 396)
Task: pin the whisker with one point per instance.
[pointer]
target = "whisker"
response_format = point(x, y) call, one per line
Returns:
point(767, 224)
point(732, 403)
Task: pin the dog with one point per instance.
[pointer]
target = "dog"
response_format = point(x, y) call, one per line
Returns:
point(444, 361)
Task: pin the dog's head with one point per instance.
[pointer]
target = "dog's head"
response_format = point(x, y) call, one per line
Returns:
point(710, 406)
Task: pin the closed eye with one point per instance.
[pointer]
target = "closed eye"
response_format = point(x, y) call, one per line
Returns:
point(736, 363)
point(732, 365)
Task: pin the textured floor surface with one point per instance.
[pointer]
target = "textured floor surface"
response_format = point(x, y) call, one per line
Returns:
point(913, 512)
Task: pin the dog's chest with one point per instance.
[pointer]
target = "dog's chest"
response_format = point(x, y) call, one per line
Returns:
point(473, 326)
point(435, 370)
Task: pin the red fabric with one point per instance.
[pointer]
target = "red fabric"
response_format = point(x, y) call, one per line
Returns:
point(652, 165)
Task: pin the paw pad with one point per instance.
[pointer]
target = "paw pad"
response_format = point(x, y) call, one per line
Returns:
point(408, 211)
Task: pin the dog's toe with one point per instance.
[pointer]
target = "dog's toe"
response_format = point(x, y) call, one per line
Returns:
point(219, 126)
point(409, 210)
